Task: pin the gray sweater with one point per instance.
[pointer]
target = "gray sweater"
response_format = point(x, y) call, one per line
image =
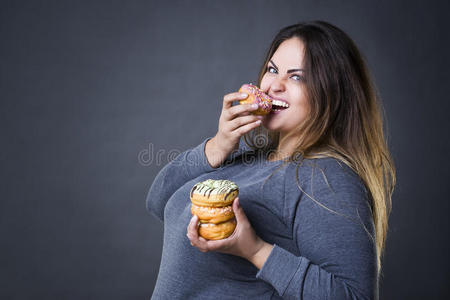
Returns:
point(317, 253)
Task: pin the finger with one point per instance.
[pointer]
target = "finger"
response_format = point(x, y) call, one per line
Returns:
point(241, 121)
point(229, 98)
point(195, 239)
point(239, 212)
point(237, 110)
point(240, 131)
point(217, 244)
point(237, 209)
point(193, 228)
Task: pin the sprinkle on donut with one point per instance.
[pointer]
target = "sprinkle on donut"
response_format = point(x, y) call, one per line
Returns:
point(257, 96)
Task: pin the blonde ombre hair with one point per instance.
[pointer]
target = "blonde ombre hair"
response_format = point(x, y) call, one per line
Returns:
point(345, 119)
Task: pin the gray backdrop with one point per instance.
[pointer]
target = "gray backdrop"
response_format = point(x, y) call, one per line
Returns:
point(97, 96)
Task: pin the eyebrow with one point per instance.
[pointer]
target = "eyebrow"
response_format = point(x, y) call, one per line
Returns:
point(288, 71)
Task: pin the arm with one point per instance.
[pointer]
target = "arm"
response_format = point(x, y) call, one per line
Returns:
point(215, 155)
point(191, 163)
point(337, 257)
point(186, 166)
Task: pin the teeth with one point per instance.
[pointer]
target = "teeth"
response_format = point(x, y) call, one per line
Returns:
point(280, 103)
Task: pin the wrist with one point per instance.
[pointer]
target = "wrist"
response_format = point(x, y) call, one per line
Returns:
point(260, 256)
point(213, 155)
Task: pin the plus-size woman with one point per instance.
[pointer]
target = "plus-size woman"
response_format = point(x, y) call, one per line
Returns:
point(315, 183)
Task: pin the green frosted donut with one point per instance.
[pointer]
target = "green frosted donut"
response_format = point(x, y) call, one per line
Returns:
point(214, 187)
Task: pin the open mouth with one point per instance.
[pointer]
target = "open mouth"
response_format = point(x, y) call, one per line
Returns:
point(278, 108)
point(278, 105)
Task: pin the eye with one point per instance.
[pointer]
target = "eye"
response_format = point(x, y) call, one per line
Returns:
point(298, 77)
point(269, 68)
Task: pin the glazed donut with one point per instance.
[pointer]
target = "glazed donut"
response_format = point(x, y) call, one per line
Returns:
point(217, 231)
point(213, 215)
point(212, 202)
point(255, 95)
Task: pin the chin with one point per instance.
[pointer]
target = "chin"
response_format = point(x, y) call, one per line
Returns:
point(270, 126)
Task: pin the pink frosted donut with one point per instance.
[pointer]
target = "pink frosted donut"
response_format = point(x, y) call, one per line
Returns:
point(255, 95)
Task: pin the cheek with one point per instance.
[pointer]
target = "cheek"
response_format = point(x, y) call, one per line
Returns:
point(301, 98)
point(301, 105)
point(265, 83)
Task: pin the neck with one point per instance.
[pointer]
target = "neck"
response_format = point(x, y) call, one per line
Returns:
point(285, 147)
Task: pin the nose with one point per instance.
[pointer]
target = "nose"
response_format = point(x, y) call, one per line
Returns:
point(277, 85)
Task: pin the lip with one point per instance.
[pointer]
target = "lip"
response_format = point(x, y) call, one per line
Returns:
point(272, 112)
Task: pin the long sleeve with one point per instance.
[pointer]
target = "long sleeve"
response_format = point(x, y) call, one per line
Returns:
point(186, 166)
point(337, 250)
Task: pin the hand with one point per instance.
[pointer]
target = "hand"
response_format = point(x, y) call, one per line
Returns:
point(234, 122)
point(242, 242)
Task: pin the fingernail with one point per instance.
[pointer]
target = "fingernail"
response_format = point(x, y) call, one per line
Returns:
point(260, 117)
point(254, 105)
point(243, 95)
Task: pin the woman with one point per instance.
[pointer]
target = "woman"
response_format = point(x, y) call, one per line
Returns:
point(315, 183)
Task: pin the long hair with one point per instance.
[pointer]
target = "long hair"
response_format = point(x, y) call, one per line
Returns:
point(345, 120)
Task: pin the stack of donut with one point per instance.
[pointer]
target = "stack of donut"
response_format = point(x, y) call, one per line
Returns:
point(212, 202)
point(255, 95)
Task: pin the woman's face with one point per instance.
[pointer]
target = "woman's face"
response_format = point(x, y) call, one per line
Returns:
point(284, 81)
